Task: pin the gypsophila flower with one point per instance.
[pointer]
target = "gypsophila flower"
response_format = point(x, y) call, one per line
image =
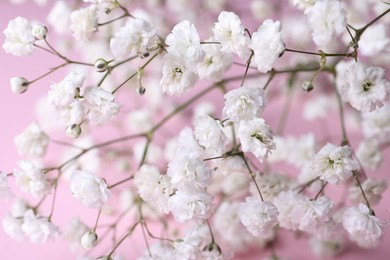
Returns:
point(59, 16)
point(32, 142)
point(376, 124)
point(89, 189)
point(303, 4)
point(334, 163)
point(39, 32)
point(102, 104)
point(374, 40)
point(363, 227)
point(38, 229)
point(189, 246)
point(259, 217)
point(83, 22)
point(140, 120)
point(5, 190)
point(300, 150)
point(318, 107)
point(136, 37)
point(244, 103)
point(314, 213)
point(18, 37)
point(326, 248)
point(369, 154)
point(209, 133)
point(30, 178)
point(231, 34)
point(89, 240)
point(267, 45)
point(73, 233)
point(270, 185)
point(256, 137)
point(160, 251)
point(372, 188)
point(12, 226)
point(364, 87)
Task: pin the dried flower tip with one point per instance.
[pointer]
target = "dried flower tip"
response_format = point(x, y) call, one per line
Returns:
point(141, 90)
point(89, 240)
point(101, 65)
point(307, 86)
point(19, 85)
point(73, 131)
point(39, 32)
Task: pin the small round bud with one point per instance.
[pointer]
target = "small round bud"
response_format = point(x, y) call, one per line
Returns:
point(39, 32)
point(19, 85)
point(101, 65)
point(73, 131)
point(141, 90)
point(307, 86)
point(89, 240)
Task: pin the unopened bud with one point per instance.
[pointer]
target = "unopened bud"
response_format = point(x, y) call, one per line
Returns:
point(73, 131)
point(19, 85)
point(101, 65)
point(307, 86)
point(89, 240)
point(141, 90)
point(39, 32)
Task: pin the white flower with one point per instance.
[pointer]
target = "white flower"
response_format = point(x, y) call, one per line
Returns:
point(374, 40)
point(32, 142)
point(231, 34)
point(39, 32)
point(376, 124)
point(178, 77)
point(89, 189)
point(326, 248)
point(267, 45)
point(148, 182)
point(189, 246)
point(256, 137)
point(5, 190)
point(270, 185)
point(244, 103)
point(160, 251)
point(12, 226)
point(134, 38)
point(59, 16)
point(214, 63)
point(300, 150)
point(89, 240)
point(73, 233)
point(30, 178)
point(190, 203)
point(334, 163)
point(140, 120)
point(363, 227)
point(372, 188)
point(303, 4)
point(102, 104)
point(38, 229)
point(369, 154)
point(18, 37)
point(365, 87)
point(314, 213)
point(259, 217)
point(63, 93)
point(209, 133)
point(83, 22)
point(327, 18)
point(184, 42)
point(318, 107)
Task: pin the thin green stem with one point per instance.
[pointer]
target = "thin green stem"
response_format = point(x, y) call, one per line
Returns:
point(97, 220)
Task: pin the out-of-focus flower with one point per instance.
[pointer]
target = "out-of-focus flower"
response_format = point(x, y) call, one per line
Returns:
point(19, 39)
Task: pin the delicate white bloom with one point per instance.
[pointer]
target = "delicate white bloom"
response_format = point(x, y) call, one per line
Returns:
point(154, 152)
point(376, 124)
point(301, 150)
point(363, 227)
point(326, 248)
point(372, 188)
point(160, 251)
point(327, 18)
point(140, 120)
point(287, 203)
point(102, 104)
point(12, 226)
point(19, 85)
point(190, 203)
point(186, 142)
point(259, 217)
point(205, 108)
point(364, 87)
point(369, 154)
point(334, 163)
point(214, 63)
point(38, 229)
point(231, 34)
point(19, 207)
point(267, 45)
point(244, 103)
point(270, 185)
point(136, 37)
point(39, 32)
point(89, 240)
point(281, 151)
point(32, 142)
point(318, 107)
point(178, 76)
point(308, 174)
point(73, 233)
point(18, 37)
point(147, 180)
point(83, 22)
point(256, 137)
point(184, 42)
point(189, 246)
point(89, 189)
point(314, 213)
point(303, 4)
point(374, 40)
point(30, 178)
point(5, 190)
point(63, 93)
point(59, 16)
point(209, 133)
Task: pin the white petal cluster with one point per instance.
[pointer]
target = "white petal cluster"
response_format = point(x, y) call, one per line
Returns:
point(231, 34)
point(369, 154)
point(372, 188)
point(18, 37)
point(288, 204)
point(5, 190)
point(12, 226)
point(189, 246)
point(318, 107)
point(270, 185)
point(327, 18)
point(160, 251)
point(73, 233)
point(267, 45)
point(89, 189)
point(374, 40)
point(363, 227)
point(300, 150)
point(364, 87)
point(334, 163)
point(38, 229)
point(210, 134)
point(30, 178)
point(376, 124)
point(101, 104)
point(134, 38)
point(32, 142)
point(314, 213)
point(256, 137)
point(59, 17)
point(259, 217)
point(83, 22)
point(89, 240)
point(244, 103)
point(303, 4)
